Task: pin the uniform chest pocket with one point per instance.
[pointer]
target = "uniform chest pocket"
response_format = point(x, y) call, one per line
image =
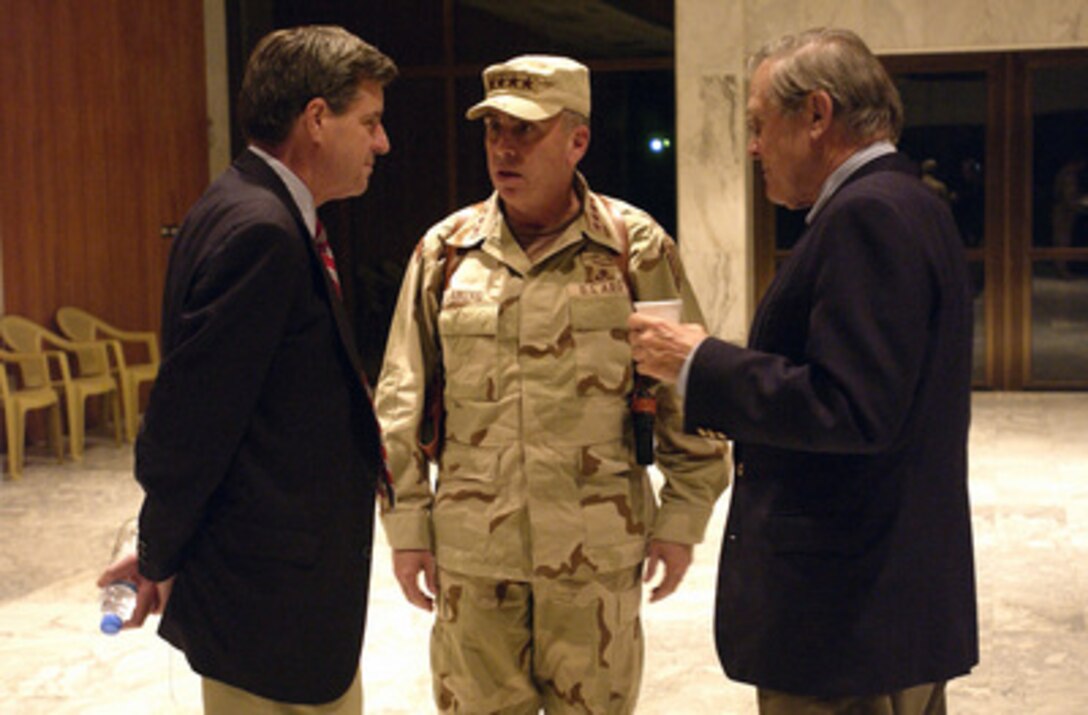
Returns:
point(470, 350)
point(599, 326)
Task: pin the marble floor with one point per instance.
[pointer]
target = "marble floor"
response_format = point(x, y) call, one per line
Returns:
point(1029, 481)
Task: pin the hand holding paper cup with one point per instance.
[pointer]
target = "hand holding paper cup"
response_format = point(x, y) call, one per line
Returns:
point(660, 343)
point(665, 309)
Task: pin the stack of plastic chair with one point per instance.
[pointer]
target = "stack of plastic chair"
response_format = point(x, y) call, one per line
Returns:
point(78, 324)
point(91, 377)
point(25, 386)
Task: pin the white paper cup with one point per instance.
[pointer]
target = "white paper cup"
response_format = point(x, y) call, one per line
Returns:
point(666, 309)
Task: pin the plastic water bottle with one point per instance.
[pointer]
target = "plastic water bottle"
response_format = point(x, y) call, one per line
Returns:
point(119, 597)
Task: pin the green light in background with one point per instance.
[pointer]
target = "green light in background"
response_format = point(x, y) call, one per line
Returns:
point(659, 144)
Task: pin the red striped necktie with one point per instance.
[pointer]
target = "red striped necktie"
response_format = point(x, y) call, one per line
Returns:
point(325, 251)
point(385, 478)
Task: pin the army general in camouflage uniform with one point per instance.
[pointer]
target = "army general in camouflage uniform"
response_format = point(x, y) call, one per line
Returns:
point(541, 519)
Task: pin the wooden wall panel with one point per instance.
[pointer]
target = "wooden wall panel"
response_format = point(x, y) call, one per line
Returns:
point(103, 139)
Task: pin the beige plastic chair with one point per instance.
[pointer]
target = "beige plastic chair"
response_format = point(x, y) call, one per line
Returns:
point(92, 376)
point(24, 386)
point(78, 324)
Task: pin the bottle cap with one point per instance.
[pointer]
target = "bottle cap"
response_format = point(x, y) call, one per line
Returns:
point(111, 624)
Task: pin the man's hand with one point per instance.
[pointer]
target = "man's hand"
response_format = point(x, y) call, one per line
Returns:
point(676, 558)
point(660, 347)
point(151, 597)
point(407, 564)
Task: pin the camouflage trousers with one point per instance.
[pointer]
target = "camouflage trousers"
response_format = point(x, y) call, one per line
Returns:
point(514, 647)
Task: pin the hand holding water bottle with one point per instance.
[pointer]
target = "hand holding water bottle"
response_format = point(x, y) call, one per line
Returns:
point(128, 597)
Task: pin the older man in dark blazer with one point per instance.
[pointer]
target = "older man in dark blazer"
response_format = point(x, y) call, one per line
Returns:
point(846, 581)
point(260, 452)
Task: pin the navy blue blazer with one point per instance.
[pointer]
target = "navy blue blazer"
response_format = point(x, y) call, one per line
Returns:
point(259, 452)
point(847, 563)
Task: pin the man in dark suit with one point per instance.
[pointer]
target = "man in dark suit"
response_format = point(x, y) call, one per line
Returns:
point(846, 581)
point(260, 452)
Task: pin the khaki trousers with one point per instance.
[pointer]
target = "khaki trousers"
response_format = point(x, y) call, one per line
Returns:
point(920, 700)
point(223, 699)
point(513, 648)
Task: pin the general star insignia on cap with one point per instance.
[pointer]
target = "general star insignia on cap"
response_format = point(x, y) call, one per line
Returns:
point(534, 88)
point(517, 82)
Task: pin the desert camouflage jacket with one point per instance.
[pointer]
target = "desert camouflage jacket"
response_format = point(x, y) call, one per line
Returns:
point(537, 477)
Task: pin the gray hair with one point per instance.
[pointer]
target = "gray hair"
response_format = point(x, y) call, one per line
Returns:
point(288, 68)
point(572, 119)
point(838, 62)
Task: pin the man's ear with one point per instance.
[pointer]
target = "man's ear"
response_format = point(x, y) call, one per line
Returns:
point(821, 112)
point(313, 116)
point(579, 142)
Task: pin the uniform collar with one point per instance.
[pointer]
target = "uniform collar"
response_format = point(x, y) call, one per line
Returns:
point(599, 217)
point(484, 224)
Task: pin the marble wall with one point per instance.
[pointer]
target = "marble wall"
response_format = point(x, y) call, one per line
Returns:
point(215, 68)
point(711, 166)
point(712, 40)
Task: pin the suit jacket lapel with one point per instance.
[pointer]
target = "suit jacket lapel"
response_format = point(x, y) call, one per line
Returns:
point(252, 165)
point(890, 162)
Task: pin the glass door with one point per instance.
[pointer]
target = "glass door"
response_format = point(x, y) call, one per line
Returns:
point(945, 132)
point(1055, 280)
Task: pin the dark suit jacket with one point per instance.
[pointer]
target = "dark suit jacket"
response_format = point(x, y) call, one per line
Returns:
point(259, 451)
point(847, 563)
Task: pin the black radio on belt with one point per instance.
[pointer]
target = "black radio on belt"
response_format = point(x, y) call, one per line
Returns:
point(643, 413)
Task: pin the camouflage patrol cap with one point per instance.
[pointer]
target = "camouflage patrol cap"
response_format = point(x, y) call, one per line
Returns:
point(534, 87)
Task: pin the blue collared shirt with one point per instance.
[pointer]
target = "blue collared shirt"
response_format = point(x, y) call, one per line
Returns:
point(854, 162)
point(295, 186)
